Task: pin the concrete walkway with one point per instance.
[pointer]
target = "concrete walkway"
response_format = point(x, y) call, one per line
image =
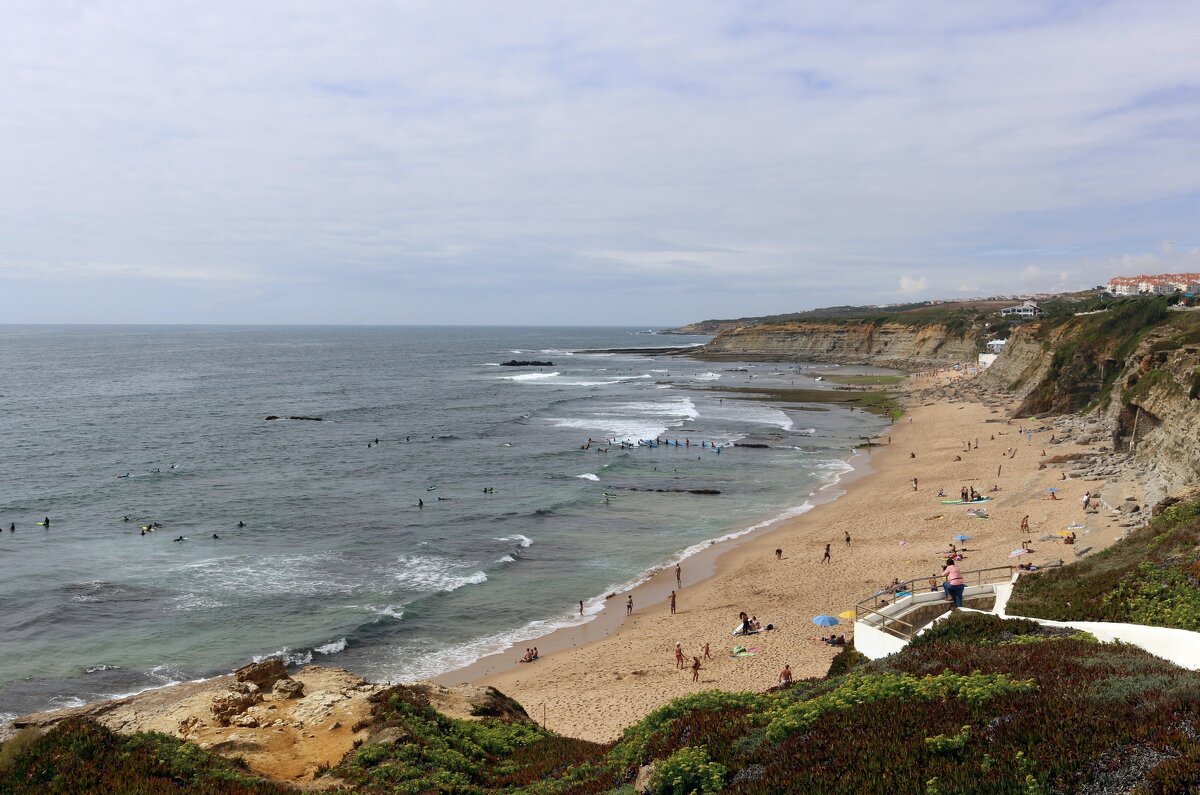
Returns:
point(1179, 646)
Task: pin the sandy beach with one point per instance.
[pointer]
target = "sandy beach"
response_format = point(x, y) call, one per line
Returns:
point(593, 680)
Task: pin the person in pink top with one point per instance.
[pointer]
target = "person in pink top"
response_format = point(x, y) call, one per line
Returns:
point(954, 585)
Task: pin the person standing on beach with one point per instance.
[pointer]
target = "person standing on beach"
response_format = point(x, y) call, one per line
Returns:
point(778, 554)
point(847, 538)
point(629, 605)
point(580, 607)
point(914, 484)
point(706, 654)
point(695, 669)
point(678, 655)
point(678, 576)
point(672, 597)
point(827, 559)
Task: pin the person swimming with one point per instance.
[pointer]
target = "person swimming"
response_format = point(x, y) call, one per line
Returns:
point(181, 538)
point(215, 535)
point(241, 524)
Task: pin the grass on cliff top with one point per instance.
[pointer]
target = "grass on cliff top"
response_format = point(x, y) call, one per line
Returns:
point(1150, 577)
point(982, 705)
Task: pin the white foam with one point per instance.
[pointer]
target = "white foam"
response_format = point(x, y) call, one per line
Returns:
point(101, 667)
point(743, 411)
point(613, 427)
point(706, 377)
point(428, 573)
point(528, 376)
point(588, 476)
point(506, 559)
point(288, 656)
point(524, 541)
point(333, 647)
point(391, 611)
point(190, 601)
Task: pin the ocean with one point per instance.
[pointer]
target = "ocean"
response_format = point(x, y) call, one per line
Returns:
point(108, 429)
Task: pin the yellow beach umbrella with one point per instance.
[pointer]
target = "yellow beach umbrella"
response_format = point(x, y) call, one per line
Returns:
point(1063, 533)
point(848, 614)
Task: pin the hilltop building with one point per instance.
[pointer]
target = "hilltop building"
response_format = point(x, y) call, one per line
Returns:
point(1023, 309)
point(1160, 284)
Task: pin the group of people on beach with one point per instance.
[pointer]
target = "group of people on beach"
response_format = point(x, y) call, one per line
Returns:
point(530, 655)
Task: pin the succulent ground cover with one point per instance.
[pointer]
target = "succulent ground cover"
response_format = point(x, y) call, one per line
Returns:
point(981, 705)
point(1151, 577)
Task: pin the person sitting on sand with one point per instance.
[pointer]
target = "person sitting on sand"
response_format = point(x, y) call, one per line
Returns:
point(841, 641)
point(785, 676)
point(528, 656)
point(941, 492)
point(755, 626)
point(535, 652)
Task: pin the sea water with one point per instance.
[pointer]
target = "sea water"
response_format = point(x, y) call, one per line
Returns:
point(108, 429)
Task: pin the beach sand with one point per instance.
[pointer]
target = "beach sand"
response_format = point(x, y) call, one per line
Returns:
point(594, 680)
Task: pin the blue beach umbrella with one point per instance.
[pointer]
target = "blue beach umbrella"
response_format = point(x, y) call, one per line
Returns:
point(961, 537)
point(825, 621)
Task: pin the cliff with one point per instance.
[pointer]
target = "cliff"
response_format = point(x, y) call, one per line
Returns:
point(889, 344)
point(1134, 369)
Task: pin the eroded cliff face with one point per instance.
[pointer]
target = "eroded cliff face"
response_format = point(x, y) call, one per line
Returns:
point(1144, 388)
point(1155, 413)
point(888, 344)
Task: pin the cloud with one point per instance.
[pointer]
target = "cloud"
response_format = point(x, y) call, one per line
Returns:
point(472, 162)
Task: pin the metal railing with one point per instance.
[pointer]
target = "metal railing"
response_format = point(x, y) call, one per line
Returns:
point(871, 606)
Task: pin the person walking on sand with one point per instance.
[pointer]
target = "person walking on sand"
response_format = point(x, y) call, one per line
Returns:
point(847, 538)
point(629, 605)
point(580, 607)
point(914, 484)
point(827, 559)
point(785, 676)
point(695, 669)
point(678, 576)
point(672, 598)
point(678, 655)
point(707, 656)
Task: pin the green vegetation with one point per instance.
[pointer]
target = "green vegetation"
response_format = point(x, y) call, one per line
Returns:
point(81, 756)
point(981, 705)
point(1090, 356)
point(874, 401)
point(864, 380)
point(1151, 577)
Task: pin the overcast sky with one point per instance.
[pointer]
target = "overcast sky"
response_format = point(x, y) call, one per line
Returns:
point(584, 163)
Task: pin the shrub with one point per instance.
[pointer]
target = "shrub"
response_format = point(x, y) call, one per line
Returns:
point(688, 770)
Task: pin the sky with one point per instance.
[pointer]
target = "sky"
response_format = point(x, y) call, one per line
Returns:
point(617, 163)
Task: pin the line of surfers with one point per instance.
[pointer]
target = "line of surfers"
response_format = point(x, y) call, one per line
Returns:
point(625, 444)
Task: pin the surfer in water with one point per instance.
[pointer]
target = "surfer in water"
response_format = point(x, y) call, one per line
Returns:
point(420, 503)
point(12, 527)
point(216, 536)
point(177, 540)
point(46, 522)
point(241, 524)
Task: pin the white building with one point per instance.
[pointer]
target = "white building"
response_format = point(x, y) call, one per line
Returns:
point(985, 360)
point(996, 346)
point(1023, 309)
